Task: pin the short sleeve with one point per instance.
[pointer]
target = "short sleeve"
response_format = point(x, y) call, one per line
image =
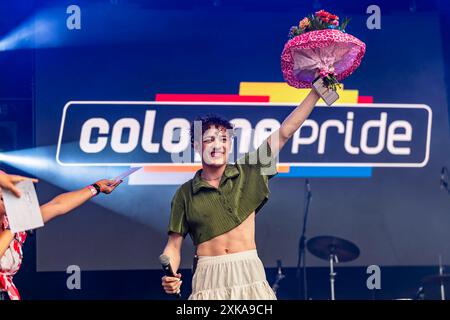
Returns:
point(178, 221)
point(256, 168)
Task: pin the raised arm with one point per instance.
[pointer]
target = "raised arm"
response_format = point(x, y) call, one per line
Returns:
point(68, 201)
point(293, 121)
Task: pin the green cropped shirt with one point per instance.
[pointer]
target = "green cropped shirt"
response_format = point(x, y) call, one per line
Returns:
point(206, 212)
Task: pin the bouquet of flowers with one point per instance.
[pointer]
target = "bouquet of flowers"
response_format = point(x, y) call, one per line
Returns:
point(320, 45)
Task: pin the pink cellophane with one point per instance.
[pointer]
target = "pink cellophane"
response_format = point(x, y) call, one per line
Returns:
point(326, 50)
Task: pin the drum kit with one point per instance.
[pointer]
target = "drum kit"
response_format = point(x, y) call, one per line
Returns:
point(337, 250)
point(440, 279)
point(334, 250)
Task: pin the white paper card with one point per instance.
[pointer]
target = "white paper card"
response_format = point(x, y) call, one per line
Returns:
point(24, 212)
point(126, 173)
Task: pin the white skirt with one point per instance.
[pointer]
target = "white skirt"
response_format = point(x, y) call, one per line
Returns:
point(235, 276)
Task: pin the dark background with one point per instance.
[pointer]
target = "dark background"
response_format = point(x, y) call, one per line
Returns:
point(131, 50)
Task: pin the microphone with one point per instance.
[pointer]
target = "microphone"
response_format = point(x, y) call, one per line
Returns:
point(165, 263)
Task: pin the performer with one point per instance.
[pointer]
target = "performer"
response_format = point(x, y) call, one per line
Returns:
point(218, 207)
point(11, 244)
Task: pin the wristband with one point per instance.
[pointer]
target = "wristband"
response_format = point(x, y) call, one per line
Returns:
point(97, 187)
point(93, 190)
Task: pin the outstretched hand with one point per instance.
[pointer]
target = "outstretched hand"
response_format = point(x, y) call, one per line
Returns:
point(108, 186)
point(8, 182)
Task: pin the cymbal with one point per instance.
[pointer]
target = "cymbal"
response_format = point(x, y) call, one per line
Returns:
point(323, 246)
point(436, 279)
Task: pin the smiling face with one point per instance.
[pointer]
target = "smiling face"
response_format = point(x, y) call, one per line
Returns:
point(216, 145)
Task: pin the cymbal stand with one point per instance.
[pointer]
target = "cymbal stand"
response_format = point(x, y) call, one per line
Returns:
point(333, 259)
point(441, 272)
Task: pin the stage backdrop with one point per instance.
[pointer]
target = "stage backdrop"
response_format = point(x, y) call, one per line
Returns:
point(113, 94)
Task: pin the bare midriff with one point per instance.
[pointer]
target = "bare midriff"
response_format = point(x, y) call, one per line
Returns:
point(241, 238)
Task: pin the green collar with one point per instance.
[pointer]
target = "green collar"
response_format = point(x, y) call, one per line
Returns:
point(197, 182)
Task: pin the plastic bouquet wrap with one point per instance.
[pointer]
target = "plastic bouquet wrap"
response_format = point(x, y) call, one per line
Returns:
point(319, 44)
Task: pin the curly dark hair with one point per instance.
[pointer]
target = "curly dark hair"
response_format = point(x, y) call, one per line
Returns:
point(208, 121)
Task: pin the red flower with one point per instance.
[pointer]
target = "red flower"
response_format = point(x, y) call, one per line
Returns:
point(327, 17)
point(322, 13)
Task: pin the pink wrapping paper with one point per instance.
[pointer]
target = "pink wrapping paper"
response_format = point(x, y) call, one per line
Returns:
point(326, 50)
